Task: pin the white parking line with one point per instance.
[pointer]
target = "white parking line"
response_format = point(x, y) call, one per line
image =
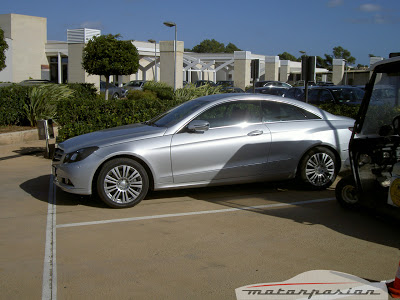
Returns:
point(193, 213)
point(49, 285)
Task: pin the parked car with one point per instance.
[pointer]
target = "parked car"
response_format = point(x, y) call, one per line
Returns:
point(114, 92)
point(225, 82)
point(268, 83)
point(328, 94)
point(231, 89)
point(35, 82)
point(212, 140)
point(199, 83)
point(270, 90)
point(134, 85)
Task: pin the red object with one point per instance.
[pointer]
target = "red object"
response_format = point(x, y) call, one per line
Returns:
point(394, 287)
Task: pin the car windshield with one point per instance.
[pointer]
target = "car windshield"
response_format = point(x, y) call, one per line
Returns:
point(385, 101)
point(348, 95)
point(177, 114)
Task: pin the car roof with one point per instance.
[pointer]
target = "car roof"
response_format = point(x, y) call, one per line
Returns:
point(266, 97)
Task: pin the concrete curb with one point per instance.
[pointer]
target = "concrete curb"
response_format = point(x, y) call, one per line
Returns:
point(20, 137)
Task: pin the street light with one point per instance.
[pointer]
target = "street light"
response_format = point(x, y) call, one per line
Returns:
point(172, 24)
point(155, 58)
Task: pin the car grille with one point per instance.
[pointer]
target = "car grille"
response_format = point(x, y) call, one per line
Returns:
point(58, 153)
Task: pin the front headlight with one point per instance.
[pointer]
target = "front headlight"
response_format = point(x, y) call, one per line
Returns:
point(79, 155)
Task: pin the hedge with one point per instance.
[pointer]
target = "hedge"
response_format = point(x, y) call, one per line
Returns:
point(15, 96)
point(79, 116)
point(12, 100)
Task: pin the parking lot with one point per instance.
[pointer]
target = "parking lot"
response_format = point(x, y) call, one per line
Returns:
point(186, 244)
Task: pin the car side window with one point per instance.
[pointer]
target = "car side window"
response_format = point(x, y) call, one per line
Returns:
point(275, 112)
point(232, 113)
point(326, 97)
point(313, 96)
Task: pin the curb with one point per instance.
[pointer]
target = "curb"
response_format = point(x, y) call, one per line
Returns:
point(20, 137)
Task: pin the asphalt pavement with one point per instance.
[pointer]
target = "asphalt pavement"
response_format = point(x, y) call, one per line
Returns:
point(187, 244)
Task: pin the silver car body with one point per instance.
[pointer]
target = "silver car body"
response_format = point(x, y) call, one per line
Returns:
point(174, 157)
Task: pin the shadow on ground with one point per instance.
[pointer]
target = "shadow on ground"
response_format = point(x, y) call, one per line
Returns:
point(365, 225)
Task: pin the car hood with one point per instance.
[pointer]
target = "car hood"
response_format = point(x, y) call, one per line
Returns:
point(112, 136)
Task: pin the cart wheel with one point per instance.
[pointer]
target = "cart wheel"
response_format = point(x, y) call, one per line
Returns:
point(346, 193)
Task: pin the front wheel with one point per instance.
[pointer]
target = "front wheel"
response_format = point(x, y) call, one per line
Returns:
point(346, 193)
point(318, 168)
point(122, 183)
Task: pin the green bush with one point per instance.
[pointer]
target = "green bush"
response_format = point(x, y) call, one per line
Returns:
point(83, 90)
point(79, 116)
point(12, 100)
point(141, 95)
point(190, 92)
point(23, 105)
point(42, 101)
point(350, 111)
point(161, 89)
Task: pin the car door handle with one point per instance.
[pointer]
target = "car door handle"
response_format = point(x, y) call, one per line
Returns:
point(255, 132)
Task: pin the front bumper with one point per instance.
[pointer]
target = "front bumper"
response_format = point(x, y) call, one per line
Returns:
point(75, 177)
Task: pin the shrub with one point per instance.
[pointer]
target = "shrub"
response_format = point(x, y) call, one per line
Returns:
point(161, 89)
point(190, 92)
point(350, 111)
point(141, 95)
point(12, 100)
point(79, 116)
point(83, 90)
point(42, 101)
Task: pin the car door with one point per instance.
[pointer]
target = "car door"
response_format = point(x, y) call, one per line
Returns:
point(292, 129)
point(235, 146)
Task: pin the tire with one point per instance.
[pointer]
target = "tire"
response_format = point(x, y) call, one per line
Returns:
point(318, 168)
point(115, 96)
point(122, 183)
point(346, 193)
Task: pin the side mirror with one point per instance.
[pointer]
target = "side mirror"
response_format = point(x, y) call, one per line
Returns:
point(198, 126)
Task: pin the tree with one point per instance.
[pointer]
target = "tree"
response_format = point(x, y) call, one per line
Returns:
point(209, 46)
point(339, 52)
point(106, 55)
point(213, 46)
point(287, 56)
point(230, 48)
point(3, 48)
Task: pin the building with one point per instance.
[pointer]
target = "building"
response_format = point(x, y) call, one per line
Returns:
point(32, 56)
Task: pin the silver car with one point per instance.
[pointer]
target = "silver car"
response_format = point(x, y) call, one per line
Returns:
point(212, 140)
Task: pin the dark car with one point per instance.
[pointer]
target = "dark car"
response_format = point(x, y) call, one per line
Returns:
point(35, 82)
point(270, 90)
point(199, 83)
point(231, 89)
point(114, 92)
point(268, 83)
point(328, 94)
point(225, 82)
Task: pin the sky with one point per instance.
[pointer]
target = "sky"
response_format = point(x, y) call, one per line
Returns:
point(263, 27)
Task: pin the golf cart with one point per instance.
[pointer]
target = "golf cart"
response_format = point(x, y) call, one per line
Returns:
point(374, 147)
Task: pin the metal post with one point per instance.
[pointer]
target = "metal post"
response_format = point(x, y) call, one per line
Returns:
point(175, 59)
point(155, 61)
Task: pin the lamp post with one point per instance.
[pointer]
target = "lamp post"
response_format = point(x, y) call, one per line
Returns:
point(155, 58)
point(172, 24)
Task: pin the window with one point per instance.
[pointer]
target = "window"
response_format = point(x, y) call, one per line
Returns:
point(326, 96)
point(232, 113)
point(275, 112)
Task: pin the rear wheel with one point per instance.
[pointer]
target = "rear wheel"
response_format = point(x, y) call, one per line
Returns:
point(122, 183)
point(346, 193)
point(318, 168)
